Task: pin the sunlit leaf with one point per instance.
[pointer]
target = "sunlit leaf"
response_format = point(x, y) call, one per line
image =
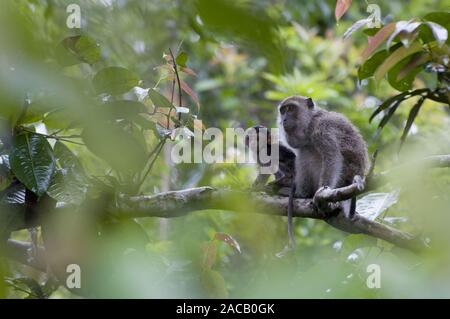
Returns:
point(439, 32)
point(404, 29)
point(372, 205)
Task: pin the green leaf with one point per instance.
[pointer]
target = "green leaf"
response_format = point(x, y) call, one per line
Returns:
point(32, 162)
point(76, 49)
point(69, 183)
point(392, 103)
point(411, 117)
point(367, 69)
point(158, 99)
point(124, 109)
point(115, 145)
point(388, 103)
point(115, 80)
point(441, 18)
point(371, 32)
point(5, 174)
point(401, 76)
point(181, 59)
point(405, 31)
point(439, 32)
point(62, 119)
point(396, 57)
point(145, 123)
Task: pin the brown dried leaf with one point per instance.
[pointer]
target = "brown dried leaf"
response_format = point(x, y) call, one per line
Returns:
point(228, 239)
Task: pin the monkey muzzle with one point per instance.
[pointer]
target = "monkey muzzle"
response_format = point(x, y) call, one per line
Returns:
point(288, 125)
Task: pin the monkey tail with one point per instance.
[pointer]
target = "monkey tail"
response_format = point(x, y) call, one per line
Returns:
point(290, 210)
point(352, 207)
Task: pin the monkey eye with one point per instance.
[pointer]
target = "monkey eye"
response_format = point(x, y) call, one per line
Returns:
point(287, 108)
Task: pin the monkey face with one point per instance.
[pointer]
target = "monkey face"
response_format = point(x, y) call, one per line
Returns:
point(294, 116)
point(293, 111)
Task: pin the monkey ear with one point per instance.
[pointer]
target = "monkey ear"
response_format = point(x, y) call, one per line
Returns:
point(309, 103)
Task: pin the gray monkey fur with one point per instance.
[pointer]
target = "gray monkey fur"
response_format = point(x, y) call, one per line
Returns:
point(329, 149)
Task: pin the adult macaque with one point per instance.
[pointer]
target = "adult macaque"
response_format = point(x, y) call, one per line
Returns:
point(330, 151)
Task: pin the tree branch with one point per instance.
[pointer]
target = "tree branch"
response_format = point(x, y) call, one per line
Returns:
point(179, 203)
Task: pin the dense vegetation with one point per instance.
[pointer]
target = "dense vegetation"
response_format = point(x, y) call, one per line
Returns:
point(89, 115)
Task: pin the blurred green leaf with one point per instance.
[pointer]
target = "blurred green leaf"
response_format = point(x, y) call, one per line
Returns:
point(158, 99)
point(115, 145)
point(181, 59)
point(214, 284)
point(76, 49)
point(245, 23)
point(124, 109)
point(115, 80)
point(209, 252)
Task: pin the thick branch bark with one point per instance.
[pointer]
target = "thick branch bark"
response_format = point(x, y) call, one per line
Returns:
point(179, 203)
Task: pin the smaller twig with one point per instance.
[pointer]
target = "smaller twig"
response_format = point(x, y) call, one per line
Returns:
point(155, 153)
point(178, 80)
point(59, 138)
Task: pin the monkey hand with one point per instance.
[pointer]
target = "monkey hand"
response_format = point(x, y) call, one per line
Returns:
point(321, 204)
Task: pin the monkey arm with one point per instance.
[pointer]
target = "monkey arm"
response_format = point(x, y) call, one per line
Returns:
point(331, 159)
